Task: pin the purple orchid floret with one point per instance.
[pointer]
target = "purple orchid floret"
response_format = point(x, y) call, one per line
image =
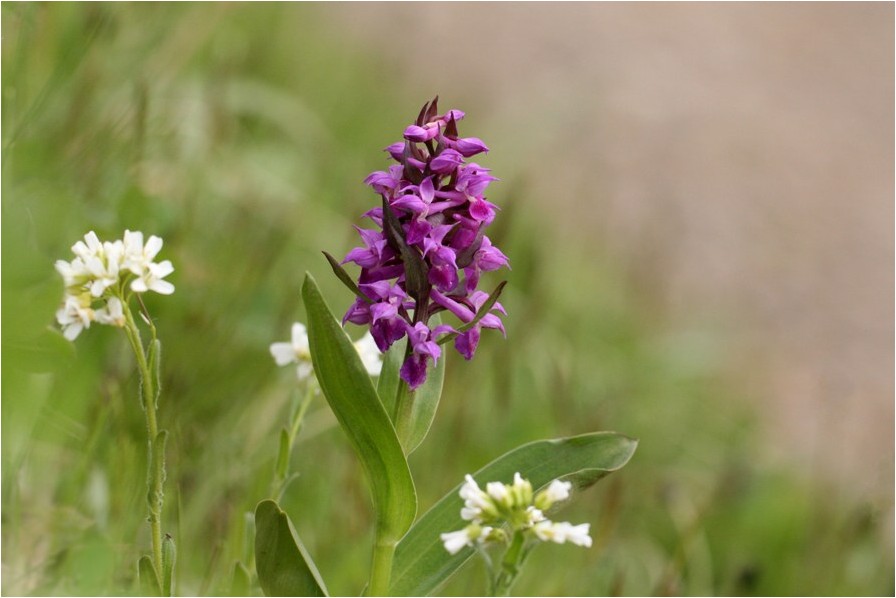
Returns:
point(429, 248)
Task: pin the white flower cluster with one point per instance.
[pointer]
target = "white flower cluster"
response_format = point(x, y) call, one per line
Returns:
point(514, 505)
point(102, 271)
point(297, 351)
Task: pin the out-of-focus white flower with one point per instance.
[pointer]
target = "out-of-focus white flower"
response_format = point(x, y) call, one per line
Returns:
point(555, 492)
point(509, 510)
point(151, 279)
point(297, 351)
point(73, 273)
point(477, 504)
point(455, 541)
point(112, 314)
point(137, 256)
point(100, 266)
point(370, 354)
point(562, 532)
point(104, 267)
point(75, 315)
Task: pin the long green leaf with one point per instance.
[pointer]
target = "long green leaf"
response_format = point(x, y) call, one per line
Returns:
point(421, 561)
point(354, 401)
point(283, 565)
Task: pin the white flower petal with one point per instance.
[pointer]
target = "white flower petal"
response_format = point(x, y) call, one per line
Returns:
point(153, 247)
point(455, 541)
point(162, 287)
point(303, 370)
point(283, 353)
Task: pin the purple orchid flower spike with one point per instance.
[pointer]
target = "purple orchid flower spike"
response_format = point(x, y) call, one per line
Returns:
point(428, 253)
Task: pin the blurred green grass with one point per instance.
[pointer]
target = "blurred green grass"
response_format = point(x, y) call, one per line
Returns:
point(240, 134)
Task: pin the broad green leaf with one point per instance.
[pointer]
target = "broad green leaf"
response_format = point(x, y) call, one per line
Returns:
point(421, 561)
point(390, 378)
point(354, 401)
point(149, 579)
point(283, 565)
point(422, 402)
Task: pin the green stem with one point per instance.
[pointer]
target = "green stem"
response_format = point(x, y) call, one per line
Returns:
point(383, 551)
point(510, 565)
point(156, 476)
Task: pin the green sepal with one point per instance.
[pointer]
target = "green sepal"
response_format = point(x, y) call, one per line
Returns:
point(283, 565)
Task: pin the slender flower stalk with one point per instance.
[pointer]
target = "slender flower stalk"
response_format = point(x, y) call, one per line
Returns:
point(99, 284)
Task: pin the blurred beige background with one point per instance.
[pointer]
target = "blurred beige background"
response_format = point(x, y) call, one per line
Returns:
point(736, 159)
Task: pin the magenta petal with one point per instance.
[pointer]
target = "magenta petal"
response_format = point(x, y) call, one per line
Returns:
point(470, 146)
point(413, 371)
point(416, 134)
point(463, 313)
point(467, 342)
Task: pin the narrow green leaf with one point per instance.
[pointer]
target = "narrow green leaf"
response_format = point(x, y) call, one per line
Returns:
point(421, 561)
point(283, 565)
point(483, 311)
point(169, 559)
point(283, 454)
point(343, 276)
point(149, 579)
point(354, 401)
point(241, 583)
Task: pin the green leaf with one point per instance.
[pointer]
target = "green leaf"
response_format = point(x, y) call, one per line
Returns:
point(483, 311)
point(421, 561)
point(241, 582)
point(283, 565)
point(149, 579)
point(354, 401)
point(343, 276)
point(169, 558)
point(423, 402)
point(390, 378)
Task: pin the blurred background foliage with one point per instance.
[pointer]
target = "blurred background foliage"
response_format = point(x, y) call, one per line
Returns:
point(240, 134)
